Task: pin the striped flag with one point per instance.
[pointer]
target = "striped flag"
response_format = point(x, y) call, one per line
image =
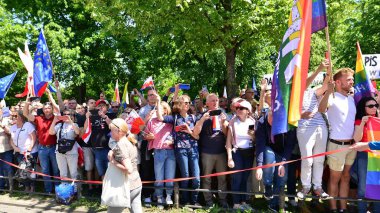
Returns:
point(125, 98)
point(373, 165)
point(116, 94)
point(148, 83)
point(289, 78)
point(27, 60)
point(215, 123)
point(134, 122)
point(363, 86)
point(319, 15)
point(86, 136)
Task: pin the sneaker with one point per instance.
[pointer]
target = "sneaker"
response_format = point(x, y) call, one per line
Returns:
point(238, 207)
point(169, 200)
point(320, 193)
point(224, 204)
point(160, 203)
point(268, 194)
point(273, 209)
point(293, 203)
point(197, 205)
point(303, 193)
point(246, 207)
point(209, 204)
point(147, 202)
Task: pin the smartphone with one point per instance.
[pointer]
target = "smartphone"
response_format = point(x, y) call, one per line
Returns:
point(94, 111)
point(181, 86)
point(62, 118)
point(179, 128)
point(251, 127)
point(215, 112)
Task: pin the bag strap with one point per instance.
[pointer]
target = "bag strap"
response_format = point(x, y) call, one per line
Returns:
point(60, 131)
point(19, 133)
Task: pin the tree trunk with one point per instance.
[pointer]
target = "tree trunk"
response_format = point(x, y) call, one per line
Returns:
point(82, 93)
point(232, 87)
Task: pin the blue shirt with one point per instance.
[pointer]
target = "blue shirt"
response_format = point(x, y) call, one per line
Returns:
point(374, 145)
point(182, 139)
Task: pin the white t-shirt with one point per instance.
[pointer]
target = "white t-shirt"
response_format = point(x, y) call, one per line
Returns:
point(67, 133)
point(21, 137)
point(243, 140)
point(341, 115)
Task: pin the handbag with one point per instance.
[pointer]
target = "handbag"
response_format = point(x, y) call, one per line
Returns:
point(116, 191)
point(64, 145)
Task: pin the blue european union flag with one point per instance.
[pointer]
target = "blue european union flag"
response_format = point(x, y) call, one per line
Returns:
point(43, 68)
point(5, 83)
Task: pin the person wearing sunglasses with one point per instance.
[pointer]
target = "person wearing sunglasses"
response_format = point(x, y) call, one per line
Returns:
point(185, 145)
point(240, 152)
point(341, 110)
point(114, 107)
point(367, 107)
point(67, 147)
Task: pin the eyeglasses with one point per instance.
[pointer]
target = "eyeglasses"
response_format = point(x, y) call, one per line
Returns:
point(241, 108)
point(186, 102)
point(372, 106)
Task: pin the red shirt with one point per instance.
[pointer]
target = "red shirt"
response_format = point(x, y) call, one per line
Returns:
point(42, 127)
point(365, 131)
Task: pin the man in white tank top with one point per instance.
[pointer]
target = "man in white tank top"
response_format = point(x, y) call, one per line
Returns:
point(341, 115)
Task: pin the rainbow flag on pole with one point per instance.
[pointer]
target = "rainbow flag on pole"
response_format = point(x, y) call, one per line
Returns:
point(363, 86)
point(289, 78)
point(319, 15)
point(116, 94)
point(373, 167)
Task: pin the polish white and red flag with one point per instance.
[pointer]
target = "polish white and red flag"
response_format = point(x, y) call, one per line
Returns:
point(134, 122)
point(87, 134)
point(148, 83)
point(28, 62)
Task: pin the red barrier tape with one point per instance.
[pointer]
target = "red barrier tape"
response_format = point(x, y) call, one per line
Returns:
point(188, 178)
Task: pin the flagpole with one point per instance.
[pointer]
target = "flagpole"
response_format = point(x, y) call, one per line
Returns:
point(329, 51)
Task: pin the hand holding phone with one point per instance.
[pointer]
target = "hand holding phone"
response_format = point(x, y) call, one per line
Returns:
point(215, 112)
point(62, 118)
point(180, 128)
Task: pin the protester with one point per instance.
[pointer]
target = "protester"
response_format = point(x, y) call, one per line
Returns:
point(240, 151)
point(212, 142)
point(67, 148)
point(99, 138)
point(6, 152)
point(312, 135)
point(47, 142)
point(23, 141)
point(341, 114)
point(367, 107)
point(186, 146)
point(147, 162)
point(161, 140)
point(115, 107)
point(123, 157)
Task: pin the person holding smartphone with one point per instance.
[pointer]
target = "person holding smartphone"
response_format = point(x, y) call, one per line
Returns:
point(212, 131)
point(240, 152)
point(66, 131)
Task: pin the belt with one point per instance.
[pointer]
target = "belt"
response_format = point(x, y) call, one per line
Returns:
point(47, 146)
point(342, 143)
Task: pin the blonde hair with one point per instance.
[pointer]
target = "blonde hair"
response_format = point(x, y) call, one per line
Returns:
point(166, 105)
point(123, 127)
point(178, 103)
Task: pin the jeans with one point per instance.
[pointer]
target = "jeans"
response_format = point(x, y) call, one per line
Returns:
point(101, 160)
point(240, 179)
point(188, 161)
point(48, 161)
point(5, 169)
point(362, 160)
point(270, 175)
point(164, 168)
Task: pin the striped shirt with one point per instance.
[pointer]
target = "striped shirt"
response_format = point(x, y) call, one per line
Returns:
point(310, 104)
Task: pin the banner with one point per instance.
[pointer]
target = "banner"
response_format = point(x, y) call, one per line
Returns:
point(372, 65)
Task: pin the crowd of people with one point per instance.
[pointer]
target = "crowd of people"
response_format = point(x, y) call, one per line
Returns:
point(182, 138)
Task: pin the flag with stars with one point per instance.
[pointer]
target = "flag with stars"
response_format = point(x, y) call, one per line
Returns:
point(43, 68)
point(5, 84)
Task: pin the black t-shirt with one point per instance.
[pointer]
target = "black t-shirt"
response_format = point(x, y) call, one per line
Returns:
point(80, 120)
point(211, 142)
point(100, 131)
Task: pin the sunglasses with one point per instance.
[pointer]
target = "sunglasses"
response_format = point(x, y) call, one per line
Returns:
point(186, 102)
point(68, 114)
point(372, 106)
point(241, 108)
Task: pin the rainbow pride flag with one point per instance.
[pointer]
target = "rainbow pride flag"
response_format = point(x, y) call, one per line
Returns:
point(363, 86)
point(373, 167)
point(289, 78)
point(319, 15)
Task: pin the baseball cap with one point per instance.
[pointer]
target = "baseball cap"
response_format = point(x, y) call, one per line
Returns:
point(100, 101)
point(244, 104)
